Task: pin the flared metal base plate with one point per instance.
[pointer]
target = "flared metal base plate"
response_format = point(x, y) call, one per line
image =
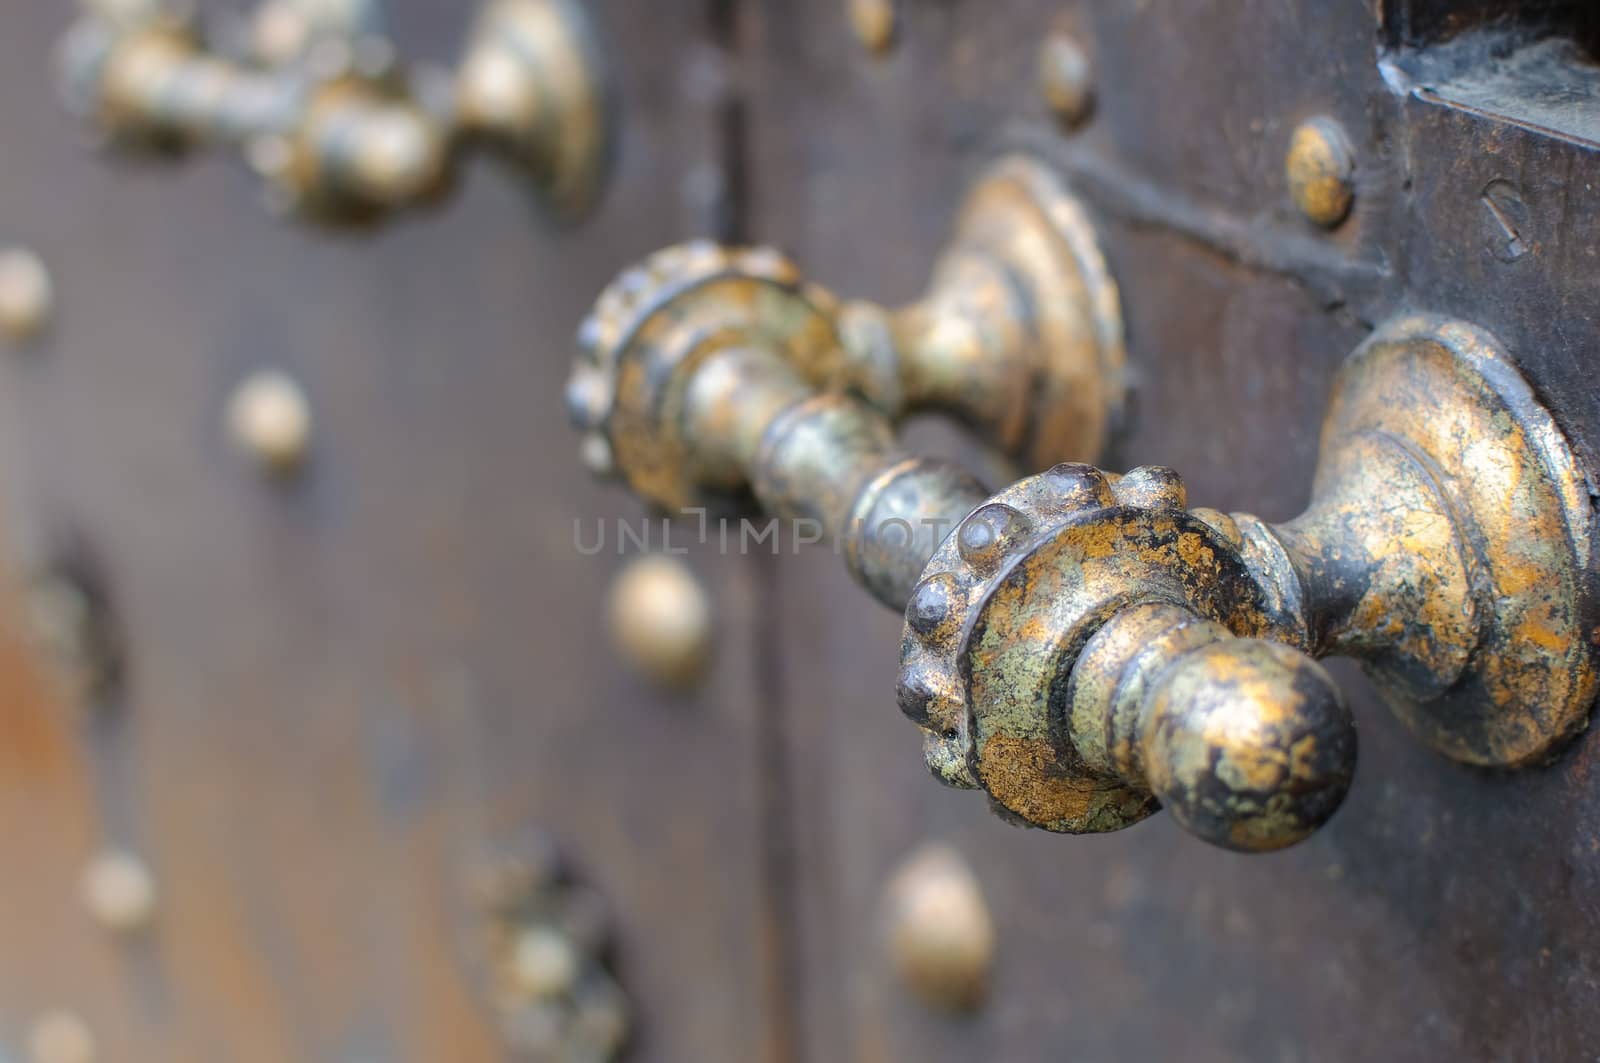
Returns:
point(1450, 397)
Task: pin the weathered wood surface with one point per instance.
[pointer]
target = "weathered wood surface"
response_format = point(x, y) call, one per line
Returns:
point(1446, 912)
point(342, 689)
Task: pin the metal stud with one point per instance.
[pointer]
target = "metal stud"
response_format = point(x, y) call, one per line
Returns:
point(1066, 78)
point(874, 23)
point(940, 934)
point(27, 294)
point(120, 892)
point(270, 420)
point(543, 962)
point(661, 620)
point(1321, 168)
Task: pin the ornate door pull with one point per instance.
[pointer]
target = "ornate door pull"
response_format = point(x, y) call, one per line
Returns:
point(341, 132)
point(1082, 646)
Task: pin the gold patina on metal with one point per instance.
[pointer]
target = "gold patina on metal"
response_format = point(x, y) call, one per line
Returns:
point(342, 132)
point(1019, 336)
point(1084, 647)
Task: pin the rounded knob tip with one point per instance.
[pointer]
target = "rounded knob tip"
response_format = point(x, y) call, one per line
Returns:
point(1249, 744)
point(400, 157)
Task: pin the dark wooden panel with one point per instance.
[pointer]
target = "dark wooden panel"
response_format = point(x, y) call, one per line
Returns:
point(341, 689)
point(1446, 912)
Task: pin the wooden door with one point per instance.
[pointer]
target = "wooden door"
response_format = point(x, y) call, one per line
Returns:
point(343, 691)
point(346, 689)
point(1446, 912)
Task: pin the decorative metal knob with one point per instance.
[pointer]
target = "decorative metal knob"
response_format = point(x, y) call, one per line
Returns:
point(1086, 651)
point(1082, 646)
point(338, 128)
point(709, 373)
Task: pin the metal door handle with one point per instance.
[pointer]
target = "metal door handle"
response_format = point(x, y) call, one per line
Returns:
point(343, 134)
point(1083, 646)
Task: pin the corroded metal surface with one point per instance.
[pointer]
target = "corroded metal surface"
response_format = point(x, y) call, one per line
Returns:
point(343, 134)
point(1420, 923)
point(708, 375)
point(1446, 548)
point(1247, 741)
point(1449, 544)
point(1320, 168)
point(1019, 336)
point(532, 87)
point(1083, 647)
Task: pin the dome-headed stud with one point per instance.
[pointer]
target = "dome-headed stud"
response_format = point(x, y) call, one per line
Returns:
point(588, 397)
point(1152, 487)
point(120, 892)
point(1074, 485)
point(941, 935)
point(920, 685)
point(933, 609)
point(269, 419)
point(26, 294)
point(661, 621)
point(1320, 167)
point(989, 534)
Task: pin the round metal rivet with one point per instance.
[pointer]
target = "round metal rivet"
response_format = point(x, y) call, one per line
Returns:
point(941, 936)
point(988, 534)
point(874, 23)
point(597, 456)
point(26, 294)
point(270, 420)
point(120, 892)
point(661, 620)
point(1066, 78)
point(1321, 168)
point(543, 962)
point(931, 604)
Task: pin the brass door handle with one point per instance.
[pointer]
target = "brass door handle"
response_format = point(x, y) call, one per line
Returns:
point(1083, 646)
point(1019, 337)
point(342, 132)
